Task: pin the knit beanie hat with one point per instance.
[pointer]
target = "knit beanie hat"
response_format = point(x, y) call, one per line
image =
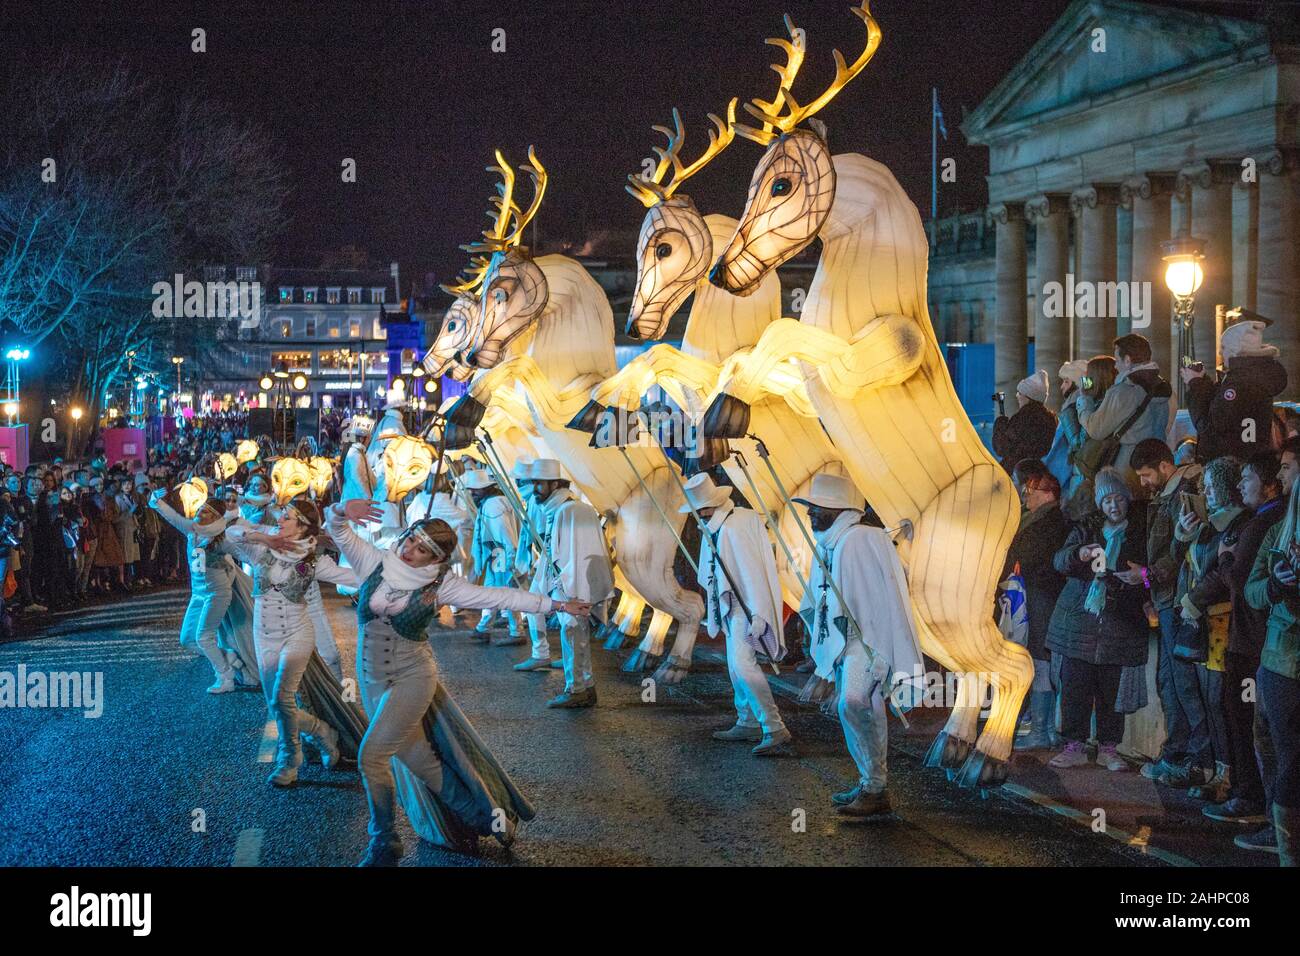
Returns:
point(1035, 386)
point(1073, 371)
point(1110, 481)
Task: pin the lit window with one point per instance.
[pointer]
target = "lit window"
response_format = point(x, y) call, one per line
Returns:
point(309, 296)
point(286, 294)
point(354, 328)
point(377, 296)
point(334, 329)
point(332, 296)
point(377, 330)
point(286, 328)
point(354, 296)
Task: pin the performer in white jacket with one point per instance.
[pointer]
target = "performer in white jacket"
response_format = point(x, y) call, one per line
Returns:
point(868, 644)
point(574, 566)
point(284, 568)
point(400, 591)
point(211, 578)
point(494, 543)
point(743, 591)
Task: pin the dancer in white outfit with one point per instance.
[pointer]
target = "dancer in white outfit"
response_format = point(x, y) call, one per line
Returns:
point(864, 633)
point(525, 560)
point(400, 591)
point(284, 567)
point(574, 565)
point(495, 541)
point(211, 578)
point(739, 577)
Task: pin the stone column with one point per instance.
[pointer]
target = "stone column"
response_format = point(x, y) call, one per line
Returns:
point(1051, 215)
point(1278, 289)
point(1095, 206)
point(1149, 196)
point(1211, 192)
point(1011, 326)
point(1245, 242)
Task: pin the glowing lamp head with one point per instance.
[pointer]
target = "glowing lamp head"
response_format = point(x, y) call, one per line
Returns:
point(289, 477)
point(225, 466)
point(11, 409)
point(246, 450)
point(266, 383)
point(76, 414)
point(1183, 256)
point(299, 382)
point(407, 463)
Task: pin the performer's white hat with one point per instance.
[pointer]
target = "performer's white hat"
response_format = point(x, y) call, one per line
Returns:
point(477, 478)
point(703, 492)
point(545, 469)
point(523, 469)
point(833, 492)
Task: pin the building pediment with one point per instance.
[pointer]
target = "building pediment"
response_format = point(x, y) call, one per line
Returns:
point(1145, 46)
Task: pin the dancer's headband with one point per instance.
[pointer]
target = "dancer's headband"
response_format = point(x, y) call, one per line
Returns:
point(417, 532)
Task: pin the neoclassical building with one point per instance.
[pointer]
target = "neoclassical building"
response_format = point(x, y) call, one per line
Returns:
point(1125, 124)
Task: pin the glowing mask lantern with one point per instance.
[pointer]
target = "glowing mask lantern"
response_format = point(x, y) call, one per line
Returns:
point(246, 450)
point(407, 463)
point(193, 494)
point(289, 477)
point(225, 466)
point(322, 474)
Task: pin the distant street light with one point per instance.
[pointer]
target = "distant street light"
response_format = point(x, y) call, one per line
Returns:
point(178, 361)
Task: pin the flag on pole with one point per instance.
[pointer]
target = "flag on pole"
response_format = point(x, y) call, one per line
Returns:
point(938, 114)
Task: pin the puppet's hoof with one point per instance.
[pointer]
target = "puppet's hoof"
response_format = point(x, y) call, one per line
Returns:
point(727, 417)
point(640, 661)
point(467, 412)
point(587, 419)
point(982, 771)
point(948, 751)
point(615, 639)
point(673, 670)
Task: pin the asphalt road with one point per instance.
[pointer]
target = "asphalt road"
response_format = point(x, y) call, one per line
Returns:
point(169, 775)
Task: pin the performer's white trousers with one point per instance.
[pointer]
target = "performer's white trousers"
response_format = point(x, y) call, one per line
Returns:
point(575, 646)
point(498, 579)
point(398, 678)
point(209, 601)
point(862, 715)
point(284, 638)
point(326, 646)
point(755, 706)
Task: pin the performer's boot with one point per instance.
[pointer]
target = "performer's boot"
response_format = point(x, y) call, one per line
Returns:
point(288, 755)
point(383, 851)
point(225, 674)
point(845, 797)
point(866, 804)
point(739, 732)
point(326, 739)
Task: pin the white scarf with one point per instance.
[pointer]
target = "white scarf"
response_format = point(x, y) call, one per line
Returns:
point(402, 576)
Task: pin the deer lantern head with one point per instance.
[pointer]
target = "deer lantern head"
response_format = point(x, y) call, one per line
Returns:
point(225, 466)
point(675, 246)
point(791, 191)
point(407, 463)
point(289, 477)
point(322, 474)
point(456, 336)
point(246, 450)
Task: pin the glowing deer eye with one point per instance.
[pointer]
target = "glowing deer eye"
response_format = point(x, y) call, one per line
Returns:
point(781, 187)
point(663, 250)
point(451, 326)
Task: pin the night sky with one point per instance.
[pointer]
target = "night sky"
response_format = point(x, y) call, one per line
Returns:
point(414, 94)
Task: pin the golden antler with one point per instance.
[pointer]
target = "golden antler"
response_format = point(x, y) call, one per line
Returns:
point(773, 120)
point(538, 174)
point(650, 189)
point(470, 279)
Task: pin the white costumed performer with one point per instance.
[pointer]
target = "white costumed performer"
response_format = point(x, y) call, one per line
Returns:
point(882, 660)
point(495, 542)
point(740, 581)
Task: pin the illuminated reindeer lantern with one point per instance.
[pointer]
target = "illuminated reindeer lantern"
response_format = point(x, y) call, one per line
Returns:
point(674, 251)
point(875, 375)
point(546, 332)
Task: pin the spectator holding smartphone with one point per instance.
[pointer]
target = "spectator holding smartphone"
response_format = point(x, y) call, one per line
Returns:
point(1099, 625)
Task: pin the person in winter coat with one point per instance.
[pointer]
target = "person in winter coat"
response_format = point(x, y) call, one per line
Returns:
point(1099, 625)
point(1200, 595)
point(1261, 494)
point(1098, 377)
point(1233, 412)
point(1042, 533)
point(1069, 433)
point(1186, 751)
point(1138, 379)
point(1029, 432)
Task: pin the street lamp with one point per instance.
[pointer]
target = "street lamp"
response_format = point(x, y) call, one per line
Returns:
point(10, 395)
point(1183, 256)
point(178, 361)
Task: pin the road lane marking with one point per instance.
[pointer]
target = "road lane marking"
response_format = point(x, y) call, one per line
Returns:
point(270, 738)
point(248, 847)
